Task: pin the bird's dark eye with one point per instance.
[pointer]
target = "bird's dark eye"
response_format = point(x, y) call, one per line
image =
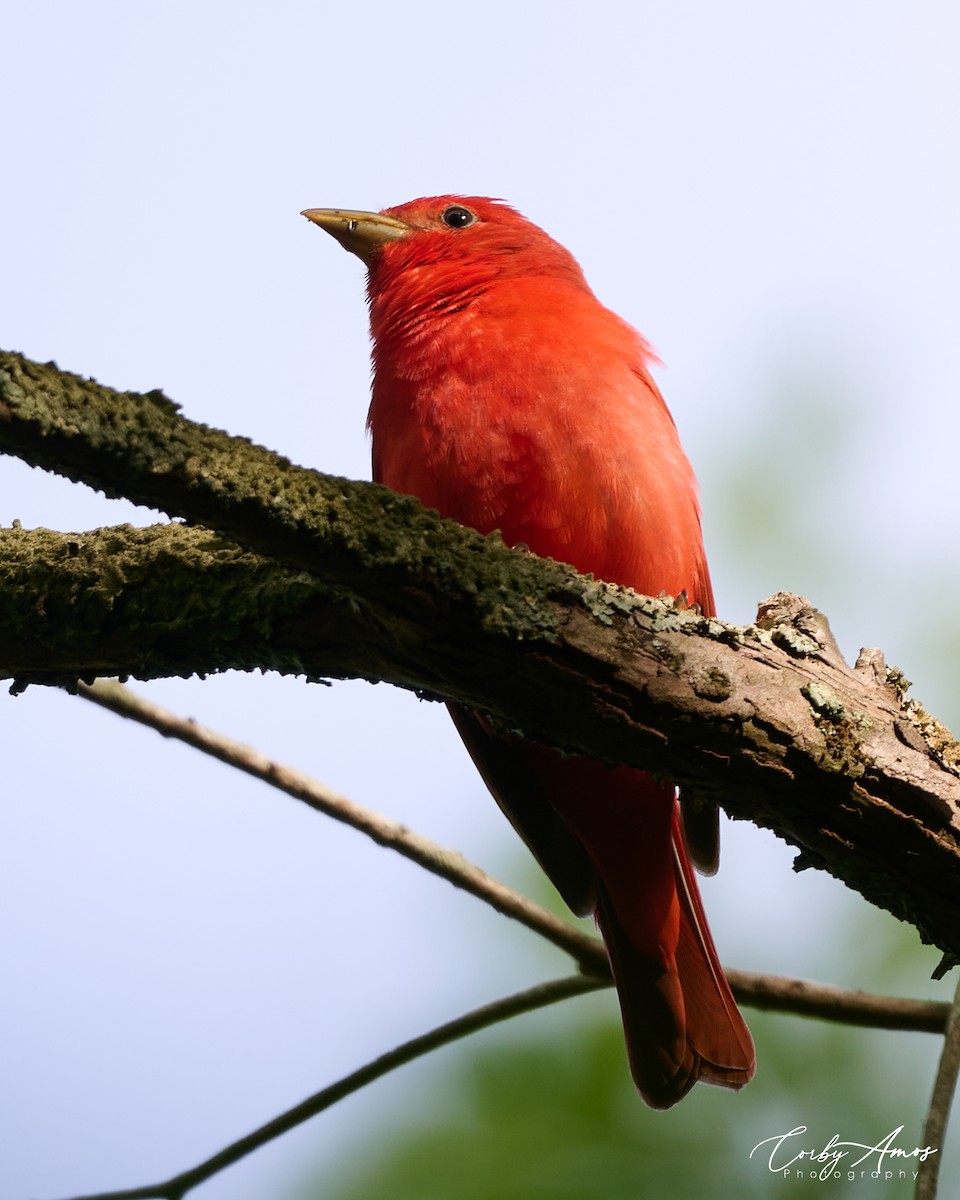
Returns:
point(457, 217)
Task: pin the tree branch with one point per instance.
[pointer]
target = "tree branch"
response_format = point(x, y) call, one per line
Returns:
point(770, 992)
point(479, 1018)
point(587, 952)
point(767, 720)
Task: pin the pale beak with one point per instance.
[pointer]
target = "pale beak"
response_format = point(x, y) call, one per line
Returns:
point(362, 233)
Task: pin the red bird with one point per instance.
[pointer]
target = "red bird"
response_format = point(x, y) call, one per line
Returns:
point(507, 397)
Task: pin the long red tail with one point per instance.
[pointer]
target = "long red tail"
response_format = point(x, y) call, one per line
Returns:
point(680, 1020)
point(612, 841)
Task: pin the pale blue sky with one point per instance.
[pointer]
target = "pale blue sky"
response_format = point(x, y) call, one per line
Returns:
point(769, 191)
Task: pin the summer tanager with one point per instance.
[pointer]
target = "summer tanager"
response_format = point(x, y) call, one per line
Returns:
point(507, 397)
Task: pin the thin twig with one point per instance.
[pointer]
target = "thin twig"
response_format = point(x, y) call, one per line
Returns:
point(796, 996)
point(479, 1018)
point(825, 1003)
point(587, 952)
point(943, 1090)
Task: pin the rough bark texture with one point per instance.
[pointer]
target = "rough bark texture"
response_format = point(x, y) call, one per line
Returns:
point(345, 579)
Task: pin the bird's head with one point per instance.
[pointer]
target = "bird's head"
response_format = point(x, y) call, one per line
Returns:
point(470, 236)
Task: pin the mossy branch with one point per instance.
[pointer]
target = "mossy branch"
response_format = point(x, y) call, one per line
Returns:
point(338, 578)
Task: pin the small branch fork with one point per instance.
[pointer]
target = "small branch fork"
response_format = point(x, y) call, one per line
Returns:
point(761, 991)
